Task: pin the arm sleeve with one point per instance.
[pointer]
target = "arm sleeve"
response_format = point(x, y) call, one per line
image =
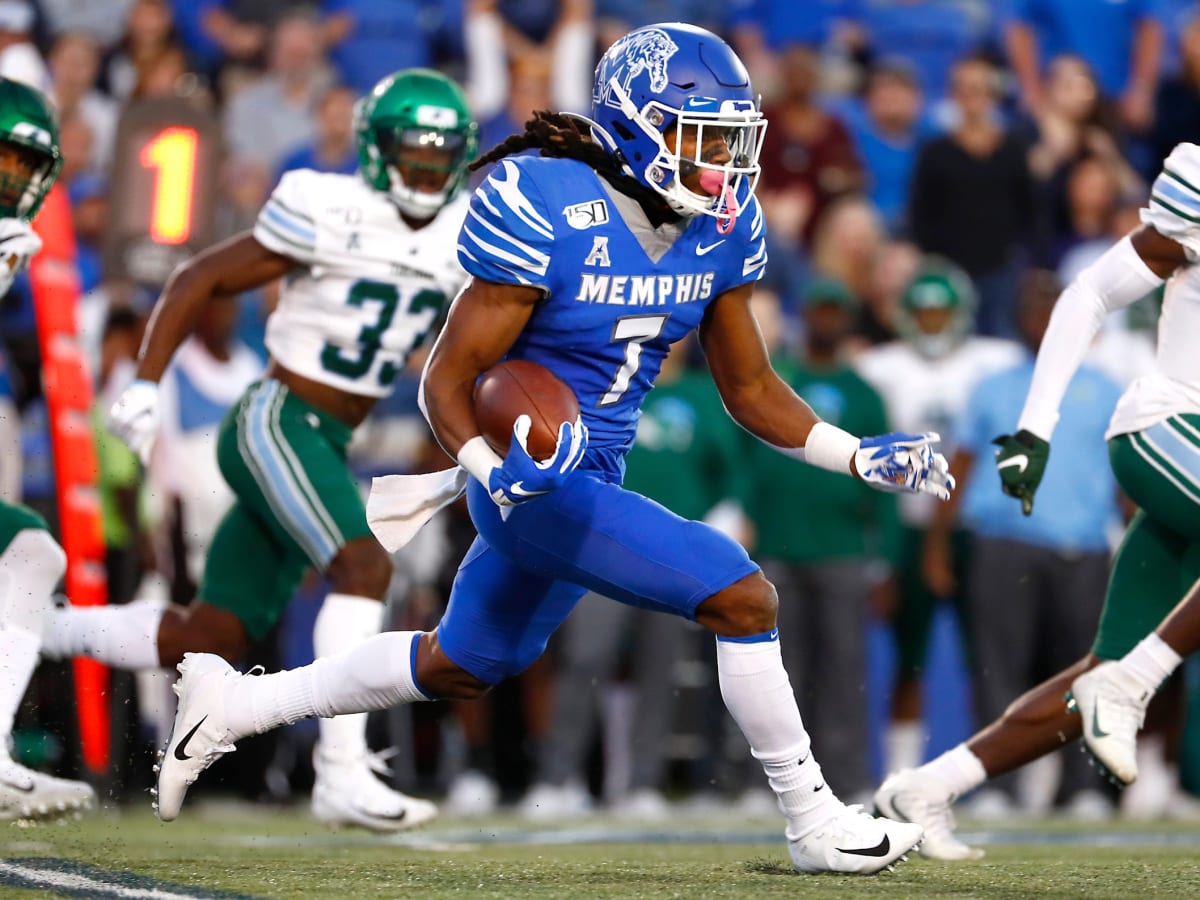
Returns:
point(286, 223)
point(1115, 280)
point(1174, 208)
point(507, 235)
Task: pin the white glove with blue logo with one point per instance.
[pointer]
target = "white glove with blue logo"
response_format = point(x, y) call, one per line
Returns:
point(522, 478)
point(904, 462)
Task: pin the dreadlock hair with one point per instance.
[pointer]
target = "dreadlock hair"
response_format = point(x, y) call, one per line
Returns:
point(559, 135)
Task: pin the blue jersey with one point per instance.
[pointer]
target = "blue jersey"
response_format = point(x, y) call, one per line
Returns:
point(611, 311)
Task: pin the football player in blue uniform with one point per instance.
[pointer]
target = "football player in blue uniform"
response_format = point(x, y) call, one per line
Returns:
point(630, 230)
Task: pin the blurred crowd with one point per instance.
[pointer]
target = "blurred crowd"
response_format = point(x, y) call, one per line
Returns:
point(933, 172)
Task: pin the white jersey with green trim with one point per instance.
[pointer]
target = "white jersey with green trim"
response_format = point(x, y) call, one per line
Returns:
point(1173, 388)
point(367, 287)
point(923, 394)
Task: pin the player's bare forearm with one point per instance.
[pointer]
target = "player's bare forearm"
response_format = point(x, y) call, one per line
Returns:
point(755, 396)
point(1161, 254)
point(233, 266)
point(484, 321)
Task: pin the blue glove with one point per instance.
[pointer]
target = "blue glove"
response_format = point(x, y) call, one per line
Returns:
point(904, 462)
point(521, 478)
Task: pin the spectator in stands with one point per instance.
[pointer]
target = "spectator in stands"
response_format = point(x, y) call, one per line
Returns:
point(1177, 105)
point(820, 565)
point(509, 76)
point(888, 128)
point(1074, 121)
point(273, 116)
point(74, 66)
point(762, 30)
point(973, 198)
point(931, 34)
point(104, 22)
point(808, 156)
point(149, 36)
point(895, 266)
point(19, 58)
point(333, 148)
point(243, 28)
point(369, 39)
point(1034, 585)
point(1122, 42)
point(1092, 196)
point(847, 243)
point(75, 140)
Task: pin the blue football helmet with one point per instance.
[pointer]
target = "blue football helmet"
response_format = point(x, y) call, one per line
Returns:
point(672, 74)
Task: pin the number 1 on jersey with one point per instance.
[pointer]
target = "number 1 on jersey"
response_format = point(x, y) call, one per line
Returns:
point(635, 330)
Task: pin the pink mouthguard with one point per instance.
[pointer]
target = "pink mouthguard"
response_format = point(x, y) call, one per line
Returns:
point(714, 183)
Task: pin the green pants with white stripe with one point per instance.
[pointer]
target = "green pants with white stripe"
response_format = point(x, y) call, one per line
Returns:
point(297, 503)
point(1159, 558)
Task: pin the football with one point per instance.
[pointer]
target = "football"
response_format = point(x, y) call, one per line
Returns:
point(516, 386)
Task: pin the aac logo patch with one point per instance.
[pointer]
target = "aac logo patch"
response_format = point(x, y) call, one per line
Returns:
point(587, 215)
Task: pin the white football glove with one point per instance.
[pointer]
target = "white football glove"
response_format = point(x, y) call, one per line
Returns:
point(18, 245)
point(134, 417)
point(904, 462)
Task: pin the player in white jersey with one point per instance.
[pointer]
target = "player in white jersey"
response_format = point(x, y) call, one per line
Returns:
point(926, 376)
point(369, 264)
point(1154, 448)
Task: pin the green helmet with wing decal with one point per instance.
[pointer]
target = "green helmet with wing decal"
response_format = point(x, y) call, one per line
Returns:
point(29, 126)
point(937, 310)
point(415, 138)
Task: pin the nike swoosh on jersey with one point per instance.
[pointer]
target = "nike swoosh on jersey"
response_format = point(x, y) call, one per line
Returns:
point(701, 249)
point(1021, 461)
point(881, 849)
point(181, 747)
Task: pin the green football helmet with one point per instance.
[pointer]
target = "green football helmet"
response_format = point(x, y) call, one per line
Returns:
point(408, 114)
point(938, 285)
point(29, 125)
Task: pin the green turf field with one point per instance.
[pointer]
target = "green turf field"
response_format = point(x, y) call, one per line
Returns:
point(246, 851)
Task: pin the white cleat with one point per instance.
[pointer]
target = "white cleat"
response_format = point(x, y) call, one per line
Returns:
point(910, 795)
point(1113, 707)
point(350, 793)
point(200, 736)
point(27, 796)
point(854, 843)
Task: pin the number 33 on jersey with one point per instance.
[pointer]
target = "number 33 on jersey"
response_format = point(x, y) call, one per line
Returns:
point(367, 289)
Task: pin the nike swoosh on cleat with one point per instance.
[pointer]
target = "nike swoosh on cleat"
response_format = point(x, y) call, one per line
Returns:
point(182, 745)
point(20, 787)
point(802, 760)
point(1097, 731)
point(819, 787)
point(883, 848)
point(1021, 461)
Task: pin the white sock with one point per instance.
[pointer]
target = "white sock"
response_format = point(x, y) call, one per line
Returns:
point(374, 675)
point(903, 746)
point(345, 621)
point(759, 696)
point(124, 636)
point(18, 659)
point(1150, 662)
point(959, 769)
